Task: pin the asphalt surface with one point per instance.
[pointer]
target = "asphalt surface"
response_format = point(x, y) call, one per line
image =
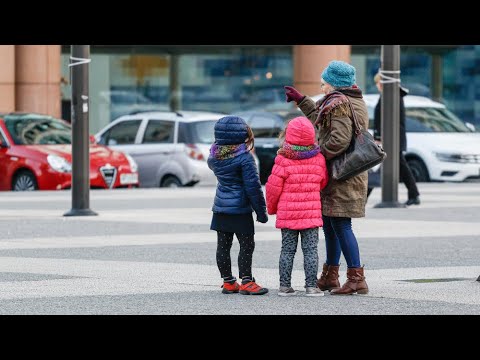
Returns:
point(150, 251)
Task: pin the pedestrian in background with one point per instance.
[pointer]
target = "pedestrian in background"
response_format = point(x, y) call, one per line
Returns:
point(406, 175)
point(341, 200)
point(293, 194)
point(238, 191)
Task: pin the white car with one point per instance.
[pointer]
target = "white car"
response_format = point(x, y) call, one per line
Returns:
point(440, 147)
point(171, 149)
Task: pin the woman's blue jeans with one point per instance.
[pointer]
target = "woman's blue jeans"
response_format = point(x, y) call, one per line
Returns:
point(339, 238)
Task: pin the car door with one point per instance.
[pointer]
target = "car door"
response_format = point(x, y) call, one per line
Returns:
point(121, 136)
point(155, 150)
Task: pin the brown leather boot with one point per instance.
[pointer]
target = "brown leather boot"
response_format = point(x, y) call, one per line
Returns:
point(329, 278)
point(355, 284)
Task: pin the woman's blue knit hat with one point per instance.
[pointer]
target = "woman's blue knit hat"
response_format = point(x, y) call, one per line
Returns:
point(339, 74)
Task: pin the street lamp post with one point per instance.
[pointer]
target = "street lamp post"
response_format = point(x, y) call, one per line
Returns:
point(390, 119)
point(79, 60)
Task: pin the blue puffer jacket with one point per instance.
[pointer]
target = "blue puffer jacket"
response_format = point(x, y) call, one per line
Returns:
point(239, 189)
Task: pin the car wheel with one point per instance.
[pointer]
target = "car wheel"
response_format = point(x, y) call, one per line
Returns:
point(24, 181)
point(419, 170)
point(171, 181)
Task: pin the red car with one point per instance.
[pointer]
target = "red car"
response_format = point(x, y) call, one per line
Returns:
point(36, 154)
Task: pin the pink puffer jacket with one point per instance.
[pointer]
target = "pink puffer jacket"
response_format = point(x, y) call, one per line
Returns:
point(293, 188)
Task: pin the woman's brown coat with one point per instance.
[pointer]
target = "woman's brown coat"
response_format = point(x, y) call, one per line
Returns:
point(340, 198)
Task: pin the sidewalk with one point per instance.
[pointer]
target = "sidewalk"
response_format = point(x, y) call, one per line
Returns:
point(151, 252)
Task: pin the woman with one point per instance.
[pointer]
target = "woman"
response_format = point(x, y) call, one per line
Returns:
point(341, 200)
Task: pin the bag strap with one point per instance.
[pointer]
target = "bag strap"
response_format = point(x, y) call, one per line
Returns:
point(356, 124)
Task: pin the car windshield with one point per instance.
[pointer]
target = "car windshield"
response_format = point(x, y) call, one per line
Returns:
point(431, 119)
point(38, 129)
point(203, 132)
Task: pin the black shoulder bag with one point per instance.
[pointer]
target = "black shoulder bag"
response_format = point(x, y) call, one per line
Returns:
point(362, 154)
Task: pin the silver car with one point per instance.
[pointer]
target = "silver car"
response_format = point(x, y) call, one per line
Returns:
point(171, 149)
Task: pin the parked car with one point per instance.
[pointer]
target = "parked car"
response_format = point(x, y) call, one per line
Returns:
point(266, 127)
point(170, 148)
point(36, 154)
point(440, 146)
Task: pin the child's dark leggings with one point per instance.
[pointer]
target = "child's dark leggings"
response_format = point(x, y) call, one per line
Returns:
point(224, 263)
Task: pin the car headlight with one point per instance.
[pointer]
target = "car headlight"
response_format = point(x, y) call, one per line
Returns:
point(59, 164)
point(133, 163)
point(458, 158)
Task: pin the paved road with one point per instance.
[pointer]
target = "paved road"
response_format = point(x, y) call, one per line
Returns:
point(151, 252)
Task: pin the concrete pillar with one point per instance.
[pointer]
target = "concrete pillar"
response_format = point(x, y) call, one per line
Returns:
point(37, 77)
point(7, 78)
point(309, 62)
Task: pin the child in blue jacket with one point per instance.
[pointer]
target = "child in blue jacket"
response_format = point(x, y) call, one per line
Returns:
point(238, 191)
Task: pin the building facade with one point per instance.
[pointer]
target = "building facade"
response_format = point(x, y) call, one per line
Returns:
point(30, 78)
point(129, 78)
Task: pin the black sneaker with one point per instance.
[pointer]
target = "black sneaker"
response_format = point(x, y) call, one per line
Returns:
point(413, 201)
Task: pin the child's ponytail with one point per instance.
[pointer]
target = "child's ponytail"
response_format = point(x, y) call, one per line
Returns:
point(250, 141)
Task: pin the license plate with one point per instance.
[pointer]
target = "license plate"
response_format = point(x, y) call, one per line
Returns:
point(126, 179)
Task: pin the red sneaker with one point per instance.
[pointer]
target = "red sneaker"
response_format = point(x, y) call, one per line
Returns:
point(230, 287)
point(252, 288)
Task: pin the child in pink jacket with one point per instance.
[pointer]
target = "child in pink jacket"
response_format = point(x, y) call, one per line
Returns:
point(293, 193)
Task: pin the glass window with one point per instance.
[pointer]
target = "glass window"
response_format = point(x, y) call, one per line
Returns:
point(3, 141)
point(131, 78)
point(433, 120)
point(238, 79)
point(159, 131)
point(265, 126)
point(183, 136)
point(128, 97)
point(121, 83)
point(415, 66)
point(123, 133)
point(38, 129)
point(203, 132)
point(461, 77)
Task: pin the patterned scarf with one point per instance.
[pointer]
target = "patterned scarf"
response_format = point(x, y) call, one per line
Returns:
point(328, 103)
point(331, 102)
point(223, 152)
point(297, 152)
